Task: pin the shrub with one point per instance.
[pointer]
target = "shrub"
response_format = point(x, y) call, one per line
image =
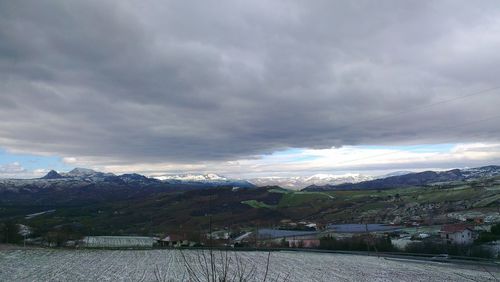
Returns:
point(9, 233)
point(495, 229)
point(429, 247)
point(357, 243)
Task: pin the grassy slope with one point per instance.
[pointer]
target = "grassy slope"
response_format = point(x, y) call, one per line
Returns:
point(257, 204)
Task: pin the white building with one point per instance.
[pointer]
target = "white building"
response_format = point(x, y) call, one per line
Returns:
point(459, 234)
point(118, 242)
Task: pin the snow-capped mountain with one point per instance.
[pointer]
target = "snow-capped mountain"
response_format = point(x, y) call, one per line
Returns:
point(81, 172)
point(206, 179)
point(79, 178)
point(479, 172)
point(192, 177)
point(299, 182)
point(82, 177)
point(415, 179)
point(52, 175)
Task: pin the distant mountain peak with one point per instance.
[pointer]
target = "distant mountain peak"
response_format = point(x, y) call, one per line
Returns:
point(81, 171)
point(52, 175)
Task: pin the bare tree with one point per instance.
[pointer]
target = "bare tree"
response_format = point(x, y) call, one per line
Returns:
point(222, 266)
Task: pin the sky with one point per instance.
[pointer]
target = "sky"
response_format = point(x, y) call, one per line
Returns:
point(248, 88)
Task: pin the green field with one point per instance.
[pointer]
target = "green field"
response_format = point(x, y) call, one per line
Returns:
point(293, 199)
point(257, 204)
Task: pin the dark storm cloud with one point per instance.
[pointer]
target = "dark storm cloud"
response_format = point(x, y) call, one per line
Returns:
point(188, 81)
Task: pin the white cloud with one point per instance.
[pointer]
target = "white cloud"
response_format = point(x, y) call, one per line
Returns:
point(40, 172)
point(306, 162)
point(16, 170)
point(11, 168)
point(70, 160)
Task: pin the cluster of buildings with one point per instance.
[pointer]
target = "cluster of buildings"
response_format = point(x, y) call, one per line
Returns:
point(308, 235)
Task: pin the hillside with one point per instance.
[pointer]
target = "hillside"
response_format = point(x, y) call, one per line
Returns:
point(152, 211)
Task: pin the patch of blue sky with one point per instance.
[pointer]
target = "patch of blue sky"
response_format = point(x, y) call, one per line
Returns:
point(299, 155)
point(305, 158)
point(291, 155)
point(32, 162)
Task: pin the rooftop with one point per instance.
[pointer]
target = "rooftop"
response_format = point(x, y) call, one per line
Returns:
point(453, 228)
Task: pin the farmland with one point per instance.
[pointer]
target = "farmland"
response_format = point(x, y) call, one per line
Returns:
point(169, 265)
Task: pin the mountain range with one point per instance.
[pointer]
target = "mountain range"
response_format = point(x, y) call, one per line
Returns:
point(82, 177)
point(299, 182)
point(88, 178)
point(414, 179)
point(92, 176)
point(210, 179)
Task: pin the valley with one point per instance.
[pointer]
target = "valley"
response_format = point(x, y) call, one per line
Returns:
point(147, 208)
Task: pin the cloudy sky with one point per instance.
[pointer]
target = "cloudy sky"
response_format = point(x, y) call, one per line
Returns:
point(248, 88)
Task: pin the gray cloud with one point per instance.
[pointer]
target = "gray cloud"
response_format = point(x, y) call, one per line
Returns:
point(125, 82)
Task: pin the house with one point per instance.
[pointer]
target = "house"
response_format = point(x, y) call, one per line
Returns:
point(478, 220)
point(218, 235)
point(174, 241)
point(460, 234)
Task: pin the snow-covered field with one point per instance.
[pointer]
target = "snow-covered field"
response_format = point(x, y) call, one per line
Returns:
point(169, 265)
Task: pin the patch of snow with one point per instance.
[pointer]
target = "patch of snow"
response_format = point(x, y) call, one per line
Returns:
point(170, 265)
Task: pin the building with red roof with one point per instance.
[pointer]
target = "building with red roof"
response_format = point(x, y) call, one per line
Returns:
point(461, 234)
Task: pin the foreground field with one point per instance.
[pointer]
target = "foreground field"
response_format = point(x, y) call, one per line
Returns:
point(170, 265)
